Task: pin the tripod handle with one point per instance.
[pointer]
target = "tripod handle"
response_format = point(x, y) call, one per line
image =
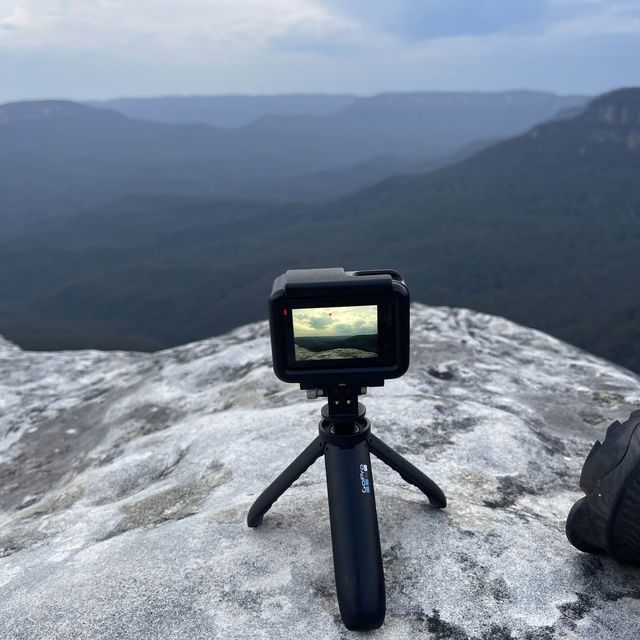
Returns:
point(408, 472)
point(355, 539)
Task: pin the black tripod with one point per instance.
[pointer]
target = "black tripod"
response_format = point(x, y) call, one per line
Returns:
point(345, 440)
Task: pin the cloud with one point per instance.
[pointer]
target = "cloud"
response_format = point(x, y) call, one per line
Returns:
point(103, 48)
point(425, 20)
point(327, 38)
point(318, 26)
point(227, 24)
point(428, 19)
point(319, 322)
point(335, 321)
point(584, 18)
point(18, 18)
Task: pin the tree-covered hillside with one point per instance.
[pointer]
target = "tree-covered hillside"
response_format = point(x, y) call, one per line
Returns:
point(543, 228)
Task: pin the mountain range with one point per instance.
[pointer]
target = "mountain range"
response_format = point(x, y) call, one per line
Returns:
point(543, 228)
point(227, 111)
point(58, 157)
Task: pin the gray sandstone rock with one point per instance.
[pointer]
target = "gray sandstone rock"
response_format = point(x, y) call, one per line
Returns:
point(125, 479)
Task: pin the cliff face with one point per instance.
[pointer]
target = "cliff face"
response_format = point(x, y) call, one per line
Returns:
point(125, 479)
point(621, 107)
point(615, 117)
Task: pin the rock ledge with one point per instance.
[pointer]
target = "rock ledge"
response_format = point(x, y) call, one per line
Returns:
point(125, 480)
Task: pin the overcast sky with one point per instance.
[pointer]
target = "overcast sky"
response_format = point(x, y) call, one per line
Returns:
point(335, 321)
point(108, 48)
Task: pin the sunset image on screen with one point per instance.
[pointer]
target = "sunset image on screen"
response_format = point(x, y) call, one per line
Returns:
point(335, 333)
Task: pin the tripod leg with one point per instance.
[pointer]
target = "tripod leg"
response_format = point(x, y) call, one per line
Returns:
point(355, 539)
point(283, 482)
point(411, 474)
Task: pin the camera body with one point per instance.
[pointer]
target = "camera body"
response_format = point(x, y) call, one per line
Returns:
point(331, 327)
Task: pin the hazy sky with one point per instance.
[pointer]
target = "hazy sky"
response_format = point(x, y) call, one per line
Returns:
point(107, 48)
point(335, 321)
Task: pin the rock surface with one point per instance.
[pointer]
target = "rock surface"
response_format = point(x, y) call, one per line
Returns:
point(125, 480)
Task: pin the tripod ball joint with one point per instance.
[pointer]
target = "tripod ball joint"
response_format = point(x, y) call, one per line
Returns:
point(337, 333)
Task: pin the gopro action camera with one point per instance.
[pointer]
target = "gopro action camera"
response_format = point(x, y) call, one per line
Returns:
point(331, 327)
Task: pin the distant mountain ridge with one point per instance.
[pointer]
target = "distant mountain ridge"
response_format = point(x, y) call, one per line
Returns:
point(224, 110)
point(609, 126)
point(81, 156)
point(239, 110)
point(41, 110)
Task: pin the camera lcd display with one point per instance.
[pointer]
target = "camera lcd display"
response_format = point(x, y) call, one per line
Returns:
point(335, 333)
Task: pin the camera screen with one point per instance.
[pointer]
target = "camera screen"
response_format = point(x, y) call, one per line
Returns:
point(335, 333)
